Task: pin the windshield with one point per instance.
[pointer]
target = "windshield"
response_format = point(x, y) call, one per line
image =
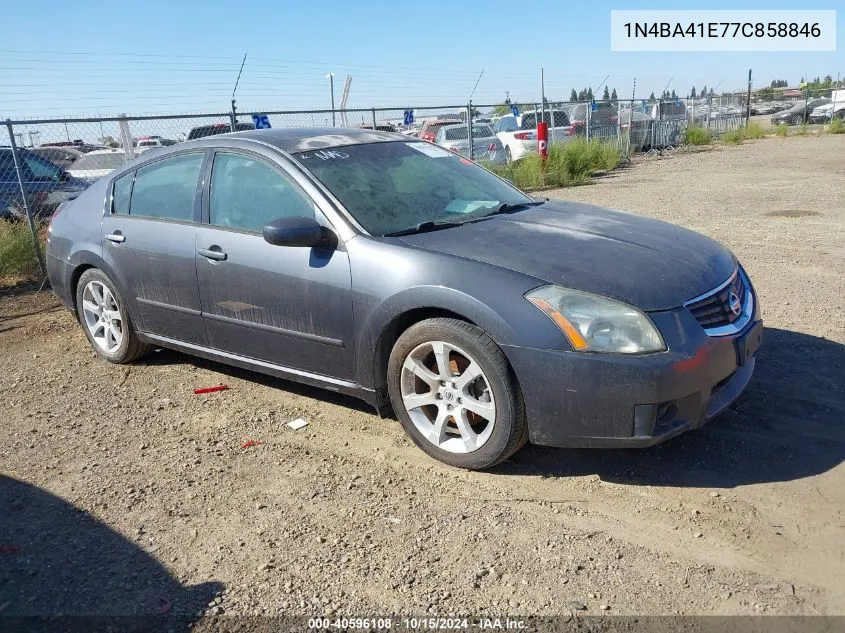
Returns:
point(90, 162)
point(389, 187)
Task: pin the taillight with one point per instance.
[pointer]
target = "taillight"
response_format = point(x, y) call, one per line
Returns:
point(491, 147)
point(428, 136)
point(453, 149)
point(569, 130)
point(524, 136)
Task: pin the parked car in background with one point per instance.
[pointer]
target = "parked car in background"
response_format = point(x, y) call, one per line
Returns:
point(428, 132)
point(402, 274)
point(381, 127)
point(833, 110)
point(201, 131)
point(78, 145)
point(61, 157)
point(518, 133)
point(153, 141)
point(799, 113)
point(97, 164)
point(486, 145)
point(46, 185)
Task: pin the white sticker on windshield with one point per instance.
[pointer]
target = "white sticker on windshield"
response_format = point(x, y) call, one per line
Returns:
point(430, 150)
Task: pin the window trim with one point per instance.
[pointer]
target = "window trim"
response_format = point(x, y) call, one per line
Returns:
point(196, 211)
point(319, 214)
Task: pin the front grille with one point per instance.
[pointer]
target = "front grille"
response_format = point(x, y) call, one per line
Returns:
point(714, 310)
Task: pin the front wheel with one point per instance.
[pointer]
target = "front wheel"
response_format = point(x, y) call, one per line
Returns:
point(797, 120)
point(455, 394)
point(105, 320)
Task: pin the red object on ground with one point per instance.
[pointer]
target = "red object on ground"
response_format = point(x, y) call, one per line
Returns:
point(251, 443)
point(543, 139)
point(211, 389)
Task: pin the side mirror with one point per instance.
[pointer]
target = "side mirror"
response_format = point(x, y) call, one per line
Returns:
point(298, 231)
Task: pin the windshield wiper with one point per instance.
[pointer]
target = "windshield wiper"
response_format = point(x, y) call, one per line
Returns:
point(425, 227)
point(510, 207)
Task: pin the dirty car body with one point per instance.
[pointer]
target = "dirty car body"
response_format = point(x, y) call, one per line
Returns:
point(389, 251)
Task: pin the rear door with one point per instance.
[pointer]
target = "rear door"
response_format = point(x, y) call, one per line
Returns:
point(149, 242)
point(289, 306)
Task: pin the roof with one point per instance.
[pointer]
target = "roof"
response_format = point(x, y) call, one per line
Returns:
point(300, 139)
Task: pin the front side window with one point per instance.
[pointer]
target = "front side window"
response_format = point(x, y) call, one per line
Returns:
point(166, 189)
point(247, 193)
point(393, 186)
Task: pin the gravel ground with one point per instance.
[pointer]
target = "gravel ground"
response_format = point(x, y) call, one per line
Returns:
point(123, 492)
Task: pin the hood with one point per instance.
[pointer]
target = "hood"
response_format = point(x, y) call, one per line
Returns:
point(647, 263)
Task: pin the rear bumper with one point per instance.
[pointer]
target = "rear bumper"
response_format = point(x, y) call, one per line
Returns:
point(576, 399)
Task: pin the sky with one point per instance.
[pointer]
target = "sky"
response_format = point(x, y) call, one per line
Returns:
point(174, 56)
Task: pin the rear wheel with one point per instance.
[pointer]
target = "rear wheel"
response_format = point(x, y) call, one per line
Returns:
point(105, 320)
point(508, 155)
point(797, 120)
point(455, 394)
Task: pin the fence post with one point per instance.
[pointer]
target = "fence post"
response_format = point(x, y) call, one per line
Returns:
point(587, 118)
point(619, 125)
point(469, 131)
point(374, 119)
point(126, 138)
point(19, 172)
point(234, 117)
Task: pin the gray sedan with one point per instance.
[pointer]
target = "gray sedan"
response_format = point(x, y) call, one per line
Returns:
point(486, 145)
point(400, 273)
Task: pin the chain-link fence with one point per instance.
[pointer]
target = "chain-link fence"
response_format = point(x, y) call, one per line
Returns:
point(44, 162)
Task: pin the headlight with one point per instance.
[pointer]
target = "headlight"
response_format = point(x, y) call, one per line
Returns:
point(593, 323)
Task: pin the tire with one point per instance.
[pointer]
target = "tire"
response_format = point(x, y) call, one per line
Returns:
point(508, 155)
point(93, 291)
point(797, 120)
point(475, 422)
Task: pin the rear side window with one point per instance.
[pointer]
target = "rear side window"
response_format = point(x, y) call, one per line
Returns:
point(120, 194)
point(166, 189)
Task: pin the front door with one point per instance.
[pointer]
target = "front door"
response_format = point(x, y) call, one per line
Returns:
point(149, 242)
point(290, 306)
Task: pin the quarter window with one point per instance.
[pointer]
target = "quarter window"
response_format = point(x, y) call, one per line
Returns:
point(166, 189)
point(120, 194)
point(247, 193)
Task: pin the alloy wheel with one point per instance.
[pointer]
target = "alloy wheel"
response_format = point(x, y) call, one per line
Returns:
point(448, 397)
point(102, 316)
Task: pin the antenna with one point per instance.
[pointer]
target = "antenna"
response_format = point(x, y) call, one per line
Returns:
point(475, 86)
point(606, 77)
point(234, 90)
point(666, 87)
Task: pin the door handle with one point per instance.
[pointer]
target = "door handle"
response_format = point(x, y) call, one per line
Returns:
point(117, 237)
point(214, 253)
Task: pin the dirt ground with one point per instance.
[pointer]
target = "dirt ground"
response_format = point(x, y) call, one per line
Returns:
point(123, 492)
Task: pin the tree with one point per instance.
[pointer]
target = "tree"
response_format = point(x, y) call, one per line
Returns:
point(590, 94)
point(703, 92)
point(674, 95)
point(606, 95)
point(573, 96)
point(502, 109)
point(614, 99)
point(651, 97)
point(828, 80)
point(692, 93)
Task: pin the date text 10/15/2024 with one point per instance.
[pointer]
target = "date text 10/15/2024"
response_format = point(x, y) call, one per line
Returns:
point(417, 624)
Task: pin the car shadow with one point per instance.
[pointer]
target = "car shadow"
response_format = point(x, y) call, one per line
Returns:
point(165, 357)
point(62, 569)
point(788, 424)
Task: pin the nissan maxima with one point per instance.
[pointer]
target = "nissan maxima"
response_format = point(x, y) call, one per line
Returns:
point(393, 270)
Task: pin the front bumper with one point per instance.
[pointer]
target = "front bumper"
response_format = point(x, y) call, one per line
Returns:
point(576, 399)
